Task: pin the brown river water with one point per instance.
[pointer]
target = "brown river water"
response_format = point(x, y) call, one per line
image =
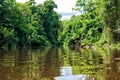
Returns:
point(45, 63)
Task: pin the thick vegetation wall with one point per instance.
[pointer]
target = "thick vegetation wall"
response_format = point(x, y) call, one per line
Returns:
point(31, 24)
point(28, 24)
point(99, 23)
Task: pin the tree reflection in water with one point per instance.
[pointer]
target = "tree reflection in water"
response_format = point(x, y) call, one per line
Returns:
point(45, 63)
point(113, 68)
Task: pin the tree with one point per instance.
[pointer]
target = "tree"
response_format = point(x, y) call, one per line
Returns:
point(50, 20)
point(7, 27)
point(110, 18)
point(86, 5)
point(85, 28)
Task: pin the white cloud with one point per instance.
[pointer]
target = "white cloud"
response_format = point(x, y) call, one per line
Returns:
point(64, 6)
point(39, 1)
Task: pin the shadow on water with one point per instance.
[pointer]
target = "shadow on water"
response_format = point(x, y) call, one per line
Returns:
point(46, 63)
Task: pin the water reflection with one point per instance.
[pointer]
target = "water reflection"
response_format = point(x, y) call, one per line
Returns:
point(66, 74)
point(45, 64)
point(66, 71)
point(113, 68)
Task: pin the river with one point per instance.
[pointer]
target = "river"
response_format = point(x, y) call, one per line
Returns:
point(45, 63)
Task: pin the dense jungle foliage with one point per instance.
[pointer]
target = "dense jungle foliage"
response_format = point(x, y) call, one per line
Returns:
point(98, 24)
point(28, 24)
point(31, 24)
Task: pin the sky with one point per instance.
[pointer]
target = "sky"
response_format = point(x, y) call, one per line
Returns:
point(64, 7)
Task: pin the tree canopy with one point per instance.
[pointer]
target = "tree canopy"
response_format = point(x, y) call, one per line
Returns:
point(28, 24)
point(31, 24)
